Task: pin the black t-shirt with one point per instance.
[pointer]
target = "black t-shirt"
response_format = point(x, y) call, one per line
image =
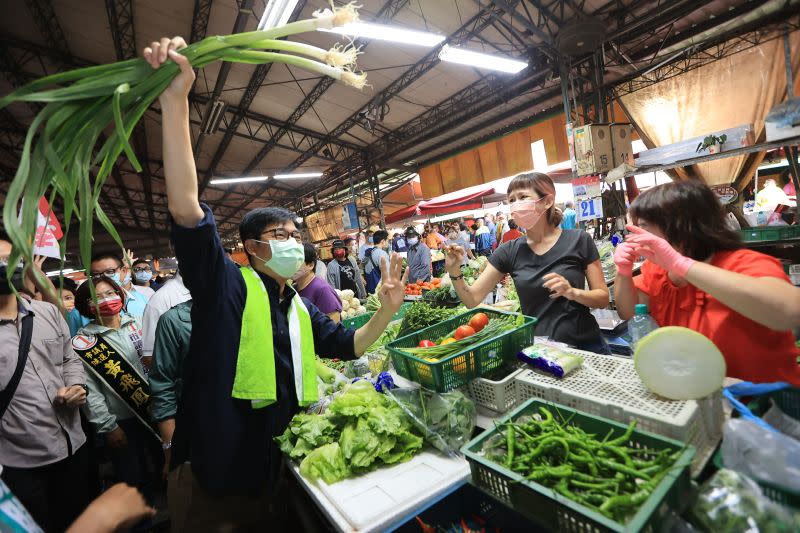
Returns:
point(347, 276)
point(560, 319)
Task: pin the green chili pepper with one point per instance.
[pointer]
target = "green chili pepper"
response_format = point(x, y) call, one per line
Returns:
point(510, 445)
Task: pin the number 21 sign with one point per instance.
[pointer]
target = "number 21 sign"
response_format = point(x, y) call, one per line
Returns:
point(590, 208)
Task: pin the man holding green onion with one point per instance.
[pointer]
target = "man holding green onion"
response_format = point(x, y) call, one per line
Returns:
point(250, 363)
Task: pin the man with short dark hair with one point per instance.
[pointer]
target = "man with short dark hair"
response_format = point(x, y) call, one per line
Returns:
point(254, 340)
point(418, 258)
point(42, 382)
point(113, 266)
point(143, 277)
point(399, 243)
point(367, 244)
point(373, 258)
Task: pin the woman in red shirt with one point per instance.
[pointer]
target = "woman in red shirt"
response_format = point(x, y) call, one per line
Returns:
point(699, 276)
point(512, 233)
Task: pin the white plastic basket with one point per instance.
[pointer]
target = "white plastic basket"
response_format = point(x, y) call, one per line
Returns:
point(608, 386)
point(499, 396)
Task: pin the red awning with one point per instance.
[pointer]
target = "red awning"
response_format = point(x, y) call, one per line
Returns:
point(402, 214)
point(465, 199)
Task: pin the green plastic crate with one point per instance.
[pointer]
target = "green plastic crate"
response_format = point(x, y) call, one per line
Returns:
point(357, 321)
point(788, 400)
point(460, 368)
point(402, 312)
point(790, 232)
point(557, 513)
point(761, 234)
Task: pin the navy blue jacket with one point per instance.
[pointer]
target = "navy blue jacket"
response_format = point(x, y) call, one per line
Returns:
point(230, 444)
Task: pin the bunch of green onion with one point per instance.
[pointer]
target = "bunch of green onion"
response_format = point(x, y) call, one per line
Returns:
point(60, 145)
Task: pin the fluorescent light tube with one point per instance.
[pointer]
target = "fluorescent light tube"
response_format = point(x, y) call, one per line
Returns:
point(300, 175)
point(382, 32)
point(277, 13)
point(223, 181)
point(479, 60)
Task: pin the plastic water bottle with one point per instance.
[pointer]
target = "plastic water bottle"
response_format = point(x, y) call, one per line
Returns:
point(641, 324)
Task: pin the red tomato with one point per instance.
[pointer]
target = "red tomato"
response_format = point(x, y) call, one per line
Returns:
point(426, 344)
point(463, 332)
point(479, 321)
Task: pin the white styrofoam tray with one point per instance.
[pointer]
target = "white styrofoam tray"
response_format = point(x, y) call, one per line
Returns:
point(378, 499)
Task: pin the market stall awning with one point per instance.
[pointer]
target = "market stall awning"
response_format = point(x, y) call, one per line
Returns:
point(469, 198)
point(402, 214)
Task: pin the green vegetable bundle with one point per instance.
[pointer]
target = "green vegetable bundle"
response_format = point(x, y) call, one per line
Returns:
point(422, 315)
point(360, 431)
point(605, 474)
point(495, 327)
point(373, 303)
point(60, 146)
point(442, 296)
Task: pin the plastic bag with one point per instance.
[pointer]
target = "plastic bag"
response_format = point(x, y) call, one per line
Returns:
point(782, 422)
point(446, 420)
point(551, 360)
point(764, 455)
point(357, 367)
point(732, 502)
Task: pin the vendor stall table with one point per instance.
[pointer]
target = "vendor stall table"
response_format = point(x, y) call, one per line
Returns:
point(388, 497)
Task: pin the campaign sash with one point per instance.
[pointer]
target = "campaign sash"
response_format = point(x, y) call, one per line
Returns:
point(119, 376)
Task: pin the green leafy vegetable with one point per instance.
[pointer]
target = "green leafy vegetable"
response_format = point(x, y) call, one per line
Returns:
point(366, 428)
point(326, 463)
point(422, 315)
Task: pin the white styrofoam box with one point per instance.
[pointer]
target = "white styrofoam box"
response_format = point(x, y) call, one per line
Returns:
point(609, 386)
point(499, 396)
point(776, 132)
point(375, 500)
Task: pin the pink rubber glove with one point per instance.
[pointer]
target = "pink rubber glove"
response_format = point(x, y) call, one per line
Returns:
point(624, 257)
point(659, 251)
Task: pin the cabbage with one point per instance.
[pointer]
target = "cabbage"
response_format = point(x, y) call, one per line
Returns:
point(679, 364)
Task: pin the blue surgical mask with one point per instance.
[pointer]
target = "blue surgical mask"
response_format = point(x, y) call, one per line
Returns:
point(143, 277)
point(121, 282)
point(370, 240)
point(412, 241)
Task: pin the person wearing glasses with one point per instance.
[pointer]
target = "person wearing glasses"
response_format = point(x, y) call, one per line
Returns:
point(111, 350)
point(112, 266)
point(42, 446)
point(143, 278)
point(253, 343)
point(550, 268)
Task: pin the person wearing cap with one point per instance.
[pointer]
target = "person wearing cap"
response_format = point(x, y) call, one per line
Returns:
point(343, 271)
point(419, 257)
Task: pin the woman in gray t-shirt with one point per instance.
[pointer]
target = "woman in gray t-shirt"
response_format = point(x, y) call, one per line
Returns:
point(550, 268)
